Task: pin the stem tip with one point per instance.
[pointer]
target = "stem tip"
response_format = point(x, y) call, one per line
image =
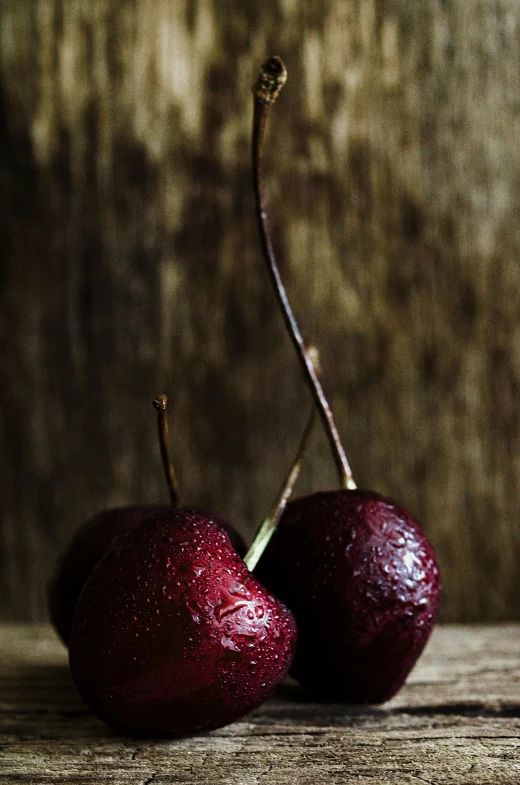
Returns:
point(271, 79)
point(159, 403)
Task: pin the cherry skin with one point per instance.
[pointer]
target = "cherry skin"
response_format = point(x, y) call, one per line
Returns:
point(87, 546)
point(363, 583)
point(173, 635)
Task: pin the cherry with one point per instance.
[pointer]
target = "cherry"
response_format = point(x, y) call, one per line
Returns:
point(355, 568)
point(94, 537)
point(172, 634)
point(362, 581)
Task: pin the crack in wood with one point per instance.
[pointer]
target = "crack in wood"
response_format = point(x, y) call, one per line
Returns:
point(460, 710)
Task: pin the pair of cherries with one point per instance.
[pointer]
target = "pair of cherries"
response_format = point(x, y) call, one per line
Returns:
point(171, 633)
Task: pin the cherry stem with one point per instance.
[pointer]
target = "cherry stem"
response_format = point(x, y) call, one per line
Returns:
point(169, 472)
point(273, 76)
point(270, 524)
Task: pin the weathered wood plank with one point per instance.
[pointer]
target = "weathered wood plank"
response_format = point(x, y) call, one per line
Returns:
point(129, 266)
point(457, 720)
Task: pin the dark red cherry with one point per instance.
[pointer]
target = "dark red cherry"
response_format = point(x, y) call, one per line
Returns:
point(356, 569)
point(363, 583)
point(87, 546)
point(173, 635)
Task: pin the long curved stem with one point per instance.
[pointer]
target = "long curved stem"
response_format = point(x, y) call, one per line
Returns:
point(169, 472)
point(270, 81)
point(268, 527)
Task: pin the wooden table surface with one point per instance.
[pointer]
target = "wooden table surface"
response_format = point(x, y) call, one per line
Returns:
point(456, 721)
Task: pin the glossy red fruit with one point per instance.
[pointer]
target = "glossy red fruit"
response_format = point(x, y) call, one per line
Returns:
point(88, 545)
point(363, 583)
point(173, 635)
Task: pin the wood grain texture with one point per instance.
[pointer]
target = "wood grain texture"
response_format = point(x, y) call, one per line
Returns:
point(457, 720)
point(130, 266)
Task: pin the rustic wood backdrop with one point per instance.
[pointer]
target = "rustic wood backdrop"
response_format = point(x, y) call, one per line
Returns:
point(130, 266)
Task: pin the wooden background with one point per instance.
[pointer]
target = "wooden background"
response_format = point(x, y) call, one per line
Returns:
point(129, 266)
